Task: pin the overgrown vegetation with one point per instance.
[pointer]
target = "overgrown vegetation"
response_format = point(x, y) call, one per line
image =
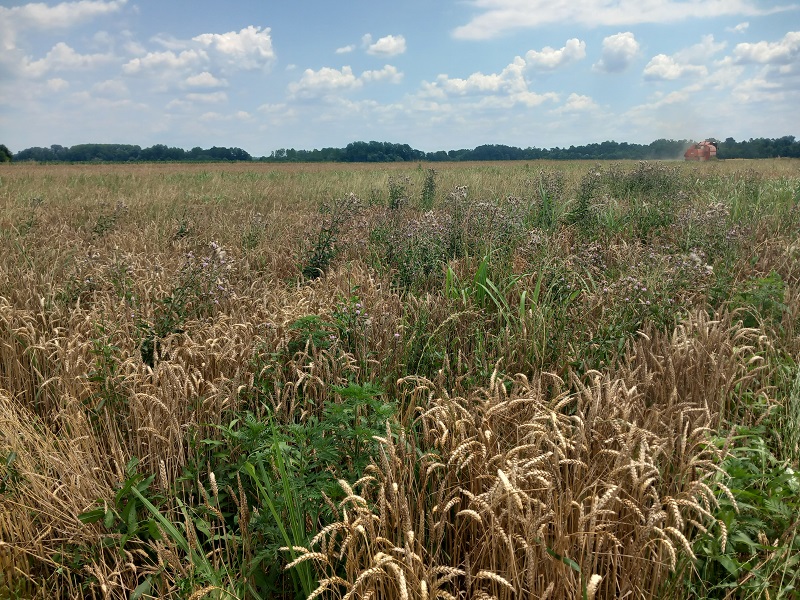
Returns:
point(498, 381)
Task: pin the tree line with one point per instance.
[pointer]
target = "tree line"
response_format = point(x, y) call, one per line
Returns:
point(661, 149)
point(129, 153)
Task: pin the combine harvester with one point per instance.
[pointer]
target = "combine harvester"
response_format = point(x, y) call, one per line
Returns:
point(703, 151)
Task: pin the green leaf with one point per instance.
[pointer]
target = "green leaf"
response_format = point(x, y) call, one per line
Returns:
point(142, 589)
point(91, 516)
point(109, 518)
point(730, 565)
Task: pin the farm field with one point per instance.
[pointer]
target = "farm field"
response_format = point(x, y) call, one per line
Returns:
point(458, 380)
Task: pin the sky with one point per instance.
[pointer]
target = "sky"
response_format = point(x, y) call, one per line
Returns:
point(434, 74)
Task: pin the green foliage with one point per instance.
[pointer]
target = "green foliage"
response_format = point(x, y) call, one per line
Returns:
point(428, 190)
point(312, 331)
point(202, 283)
point(757, 552)
point(762, 300)
point(9, 475)
point(127, 518)
point(293, 469)
point(582, 212)
point(109, 394)
point(324, 248)
point(128, 523)
point(398, 192)
point(5, 154)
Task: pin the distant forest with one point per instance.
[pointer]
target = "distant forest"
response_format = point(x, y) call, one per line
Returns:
point(377, 152)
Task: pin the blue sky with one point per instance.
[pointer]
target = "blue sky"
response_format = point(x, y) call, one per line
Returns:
point(439, 75)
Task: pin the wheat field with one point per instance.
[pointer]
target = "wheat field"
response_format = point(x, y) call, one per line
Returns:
point(499, 380)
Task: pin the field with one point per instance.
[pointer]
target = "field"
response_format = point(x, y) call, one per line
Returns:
point(494, 380)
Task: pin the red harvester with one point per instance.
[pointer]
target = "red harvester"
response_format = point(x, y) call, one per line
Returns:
point(705, 150)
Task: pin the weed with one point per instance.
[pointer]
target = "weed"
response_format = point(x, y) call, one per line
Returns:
point(324, 248)
point(428, 190)
point(398, 192)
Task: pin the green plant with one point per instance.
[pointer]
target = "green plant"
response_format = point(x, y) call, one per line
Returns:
point(762, 300)
point(755, 550)
point(547, 191)
point(130, 530)
point(428, 190)
point(9, 475)
point(202, 282)
point(398, 192)
point(105, 375)
point(582, 213)
point(312, 331)
point(324, 248)
point(292, 471)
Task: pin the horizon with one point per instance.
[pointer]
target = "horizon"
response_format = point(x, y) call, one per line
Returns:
point(457, 74)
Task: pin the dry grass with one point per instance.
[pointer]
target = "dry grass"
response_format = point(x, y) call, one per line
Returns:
point(538, 479)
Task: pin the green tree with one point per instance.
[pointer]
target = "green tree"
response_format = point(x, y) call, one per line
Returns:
point(5, 154)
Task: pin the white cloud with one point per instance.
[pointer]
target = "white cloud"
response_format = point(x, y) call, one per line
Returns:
point(388, 73)
point(38, 15)
point(208, 97)
point(329, 80)
point(740, 28)
point(57, 84)
point(503, 89)
point(700, 52)
point(496, 17)
point(550, 58)
point(508, 80)
point(785, 51)
point(167, 60)
point(578, 103)
point(110, 87)
point(239, 115)
point(250, 48)
point(389, 45)
point(326, 80)
point(197, 63)
point(663, 67)
point(619, 50)
point(206, 80)
point(346, 49)
point(688, 62)
point(62, 57)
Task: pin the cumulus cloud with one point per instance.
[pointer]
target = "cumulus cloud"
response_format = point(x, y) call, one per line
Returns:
point(578, 103)
point(328, 80)
point(202, 61)
point(784, 51)
point(110, 87)
point(346, 49)
point(388, 73)
point(549, 58)
point(250, 48)
point(506, 88)
point(390, 45)
point(666, 68)
point(158, 61)
point(497, 17)
point(688, 62)
point(40, 16)
point(204, 79)
point(700, 52)
point(740, 28)
point(208, 97)
point(62, 57)
point(510, 79)
point(57, 84)
point(619, 50)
